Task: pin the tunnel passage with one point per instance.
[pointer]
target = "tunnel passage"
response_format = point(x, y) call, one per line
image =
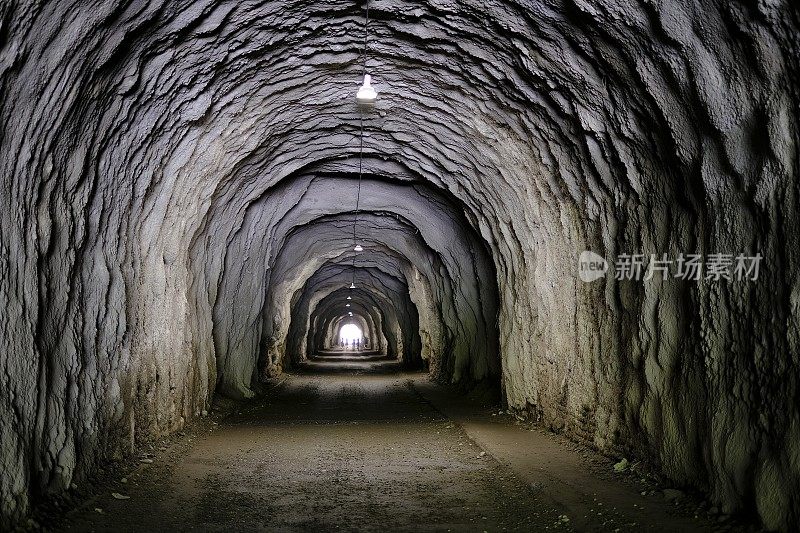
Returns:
point(425, 271)
point(175, 176)
point(387, 295)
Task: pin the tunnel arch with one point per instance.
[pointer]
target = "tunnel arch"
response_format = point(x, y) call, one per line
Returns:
point(157, 157)
point(436, 224)
point(390, 295)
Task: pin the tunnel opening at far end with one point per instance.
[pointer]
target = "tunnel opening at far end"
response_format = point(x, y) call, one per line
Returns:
point(349, 333)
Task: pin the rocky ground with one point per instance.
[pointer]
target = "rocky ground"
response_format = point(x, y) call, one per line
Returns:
point(352, 445)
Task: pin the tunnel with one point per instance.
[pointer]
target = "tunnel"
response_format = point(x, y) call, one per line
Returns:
point(195, 203)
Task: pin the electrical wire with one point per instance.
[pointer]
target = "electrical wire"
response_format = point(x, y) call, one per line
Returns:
point(360, 148)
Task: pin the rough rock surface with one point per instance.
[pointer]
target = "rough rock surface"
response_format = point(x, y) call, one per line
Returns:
point(178, 181)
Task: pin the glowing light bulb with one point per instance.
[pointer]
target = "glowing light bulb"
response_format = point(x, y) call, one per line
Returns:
point(366, 93)
point(352, 286)
point(349, 297)
point(358, 248)
point(348, 305)
point(350, 313)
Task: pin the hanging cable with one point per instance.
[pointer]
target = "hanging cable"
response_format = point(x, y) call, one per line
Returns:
point(366, 35)
point(356, 246)
point(358, 195)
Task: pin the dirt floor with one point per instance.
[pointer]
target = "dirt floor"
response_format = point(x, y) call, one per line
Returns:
point(351, 443)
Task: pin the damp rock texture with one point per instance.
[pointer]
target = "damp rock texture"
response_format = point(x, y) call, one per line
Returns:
point(178, 197)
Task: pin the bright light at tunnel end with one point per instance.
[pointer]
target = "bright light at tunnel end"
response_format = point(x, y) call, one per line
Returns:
point(351, 332)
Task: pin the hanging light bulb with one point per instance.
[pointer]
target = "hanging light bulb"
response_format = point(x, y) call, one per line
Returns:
point(350, 313)
point(349, 297)
point(347, 305)
point(366, 93)
point(358, 248)
point(352, 286)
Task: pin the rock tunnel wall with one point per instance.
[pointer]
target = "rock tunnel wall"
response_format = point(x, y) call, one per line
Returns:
point(161, 162)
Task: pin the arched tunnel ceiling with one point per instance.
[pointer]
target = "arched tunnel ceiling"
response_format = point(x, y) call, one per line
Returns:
point(178, 179)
